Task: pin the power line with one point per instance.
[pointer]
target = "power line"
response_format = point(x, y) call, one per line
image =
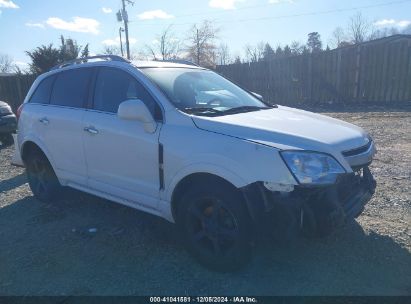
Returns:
point(338, 10)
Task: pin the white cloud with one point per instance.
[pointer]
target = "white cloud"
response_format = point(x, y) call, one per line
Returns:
point(106, 10)
point(392, 22)
point(39, 25)
point(224, 4)
point(385, 22)
point(8, 4)
point(116, 41)
point(155, 14)
point(403, 23)
point(79, 24)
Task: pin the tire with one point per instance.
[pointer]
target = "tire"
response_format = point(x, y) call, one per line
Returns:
point(215, 226)
point(6, 139)
point(43, 181)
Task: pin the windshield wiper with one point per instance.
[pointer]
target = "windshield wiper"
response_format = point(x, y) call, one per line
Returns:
point(201, 110)
point(244, 109)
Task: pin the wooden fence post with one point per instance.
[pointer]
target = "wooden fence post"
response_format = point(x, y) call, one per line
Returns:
point(357, 73)
point(338, 81)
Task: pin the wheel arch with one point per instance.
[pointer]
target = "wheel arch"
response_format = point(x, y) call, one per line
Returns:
point(192, 180)
point(28, 146)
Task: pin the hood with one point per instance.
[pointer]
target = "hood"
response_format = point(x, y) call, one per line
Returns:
point(287, 128)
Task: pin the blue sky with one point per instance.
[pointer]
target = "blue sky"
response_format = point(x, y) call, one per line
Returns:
point(26, 24)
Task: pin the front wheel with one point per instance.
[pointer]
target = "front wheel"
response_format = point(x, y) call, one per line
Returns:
point(216, 227)
point(43, 181)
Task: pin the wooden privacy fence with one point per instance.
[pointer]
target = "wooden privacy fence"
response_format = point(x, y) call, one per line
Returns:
point(13, 88)
point(375, 71)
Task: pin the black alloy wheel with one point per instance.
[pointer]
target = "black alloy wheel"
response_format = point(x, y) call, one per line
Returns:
point(216, 228)
point(43, 181)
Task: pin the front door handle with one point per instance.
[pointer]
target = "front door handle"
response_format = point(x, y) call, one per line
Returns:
point(44, 121)
point(91, 130)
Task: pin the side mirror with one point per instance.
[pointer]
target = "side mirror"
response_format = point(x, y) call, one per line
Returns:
point(135, 109)
point(258, 96)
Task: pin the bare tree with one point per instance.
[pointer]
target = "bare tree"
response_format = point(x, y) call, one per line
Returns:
point(167, 46)
point(140, 54)
point(223, 54)
point(359, 29)
point(237, 60)
point(201, 46)
point(338, 36)
point(255, 53)
point(384, 32)
point(6, 64)
point(297, 47)
point(111, 50)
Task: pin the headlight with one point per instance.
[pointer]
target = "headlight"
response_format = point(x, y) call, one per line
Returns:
point(5, 110)
point(312, 167)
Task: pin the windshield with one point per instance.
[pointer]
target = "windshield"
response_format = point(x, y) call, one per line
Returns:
point(203, 92)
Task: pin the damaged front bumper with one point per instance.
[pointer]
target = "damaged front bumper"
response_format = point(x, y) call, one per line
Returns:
point(316, 210)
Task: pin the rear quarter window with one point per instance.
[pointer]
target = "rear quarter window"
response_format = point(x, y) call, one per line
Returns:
point(71, 88)
point(43, 91)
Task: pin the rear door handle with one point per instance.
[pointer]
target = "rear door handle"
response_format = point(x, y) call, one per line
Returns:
point(91, 130)
point(44, 121)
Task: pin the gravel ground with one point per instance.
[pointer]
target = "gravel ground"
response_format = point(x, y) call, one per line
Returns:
point(50, 249)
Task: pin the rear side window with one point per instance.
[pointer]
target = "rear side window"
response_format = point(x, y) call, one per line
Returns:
point(43, 91)
point(71, 88)
point(114, 86)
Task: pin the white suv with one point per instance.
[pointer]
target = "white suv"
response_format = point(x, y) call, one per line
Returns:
point(184, 143)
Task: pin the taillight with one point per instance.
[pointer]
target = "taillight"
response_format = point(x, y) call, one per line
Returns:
point(19, 109)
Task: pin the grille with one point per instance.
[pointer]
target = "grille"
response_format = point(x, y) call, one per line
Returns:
point(357, 151)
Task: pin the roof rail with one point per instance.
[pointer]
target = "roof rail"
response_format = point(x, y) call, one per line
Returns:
point(181, 61)
point(86, 59)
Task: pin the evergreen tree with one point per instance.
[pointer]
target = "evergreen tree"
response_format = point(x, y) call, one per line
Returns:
point(268, 52)
point(287, 51)
point(314, 43)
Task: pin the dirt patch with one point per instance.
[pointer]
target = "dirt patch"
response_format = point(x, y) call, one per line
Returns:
point(89, 246)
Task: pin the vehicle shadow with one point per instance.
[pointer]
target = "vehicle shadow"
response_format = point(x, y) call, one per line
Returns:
point(12, 183)
point(83, 245)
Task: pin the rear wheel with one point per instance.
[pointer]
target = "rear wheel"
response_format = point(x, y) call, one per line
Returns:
point(43, 181)
point(216, 227)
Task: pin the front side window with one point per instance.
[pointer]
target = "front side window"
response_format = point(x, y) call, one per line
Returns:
point(71, 87)
point(203, 92)
point(43, 91)
point(114, 86)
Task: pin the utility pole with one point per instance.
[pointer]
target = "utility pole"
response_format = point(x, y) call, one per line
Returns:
point(121, 41)
point(125, 20)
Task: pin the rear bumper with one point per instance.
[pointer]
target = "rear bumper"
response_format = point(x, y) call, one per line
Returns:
point(8, 124)
point(16, 160)
point(311, 210)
